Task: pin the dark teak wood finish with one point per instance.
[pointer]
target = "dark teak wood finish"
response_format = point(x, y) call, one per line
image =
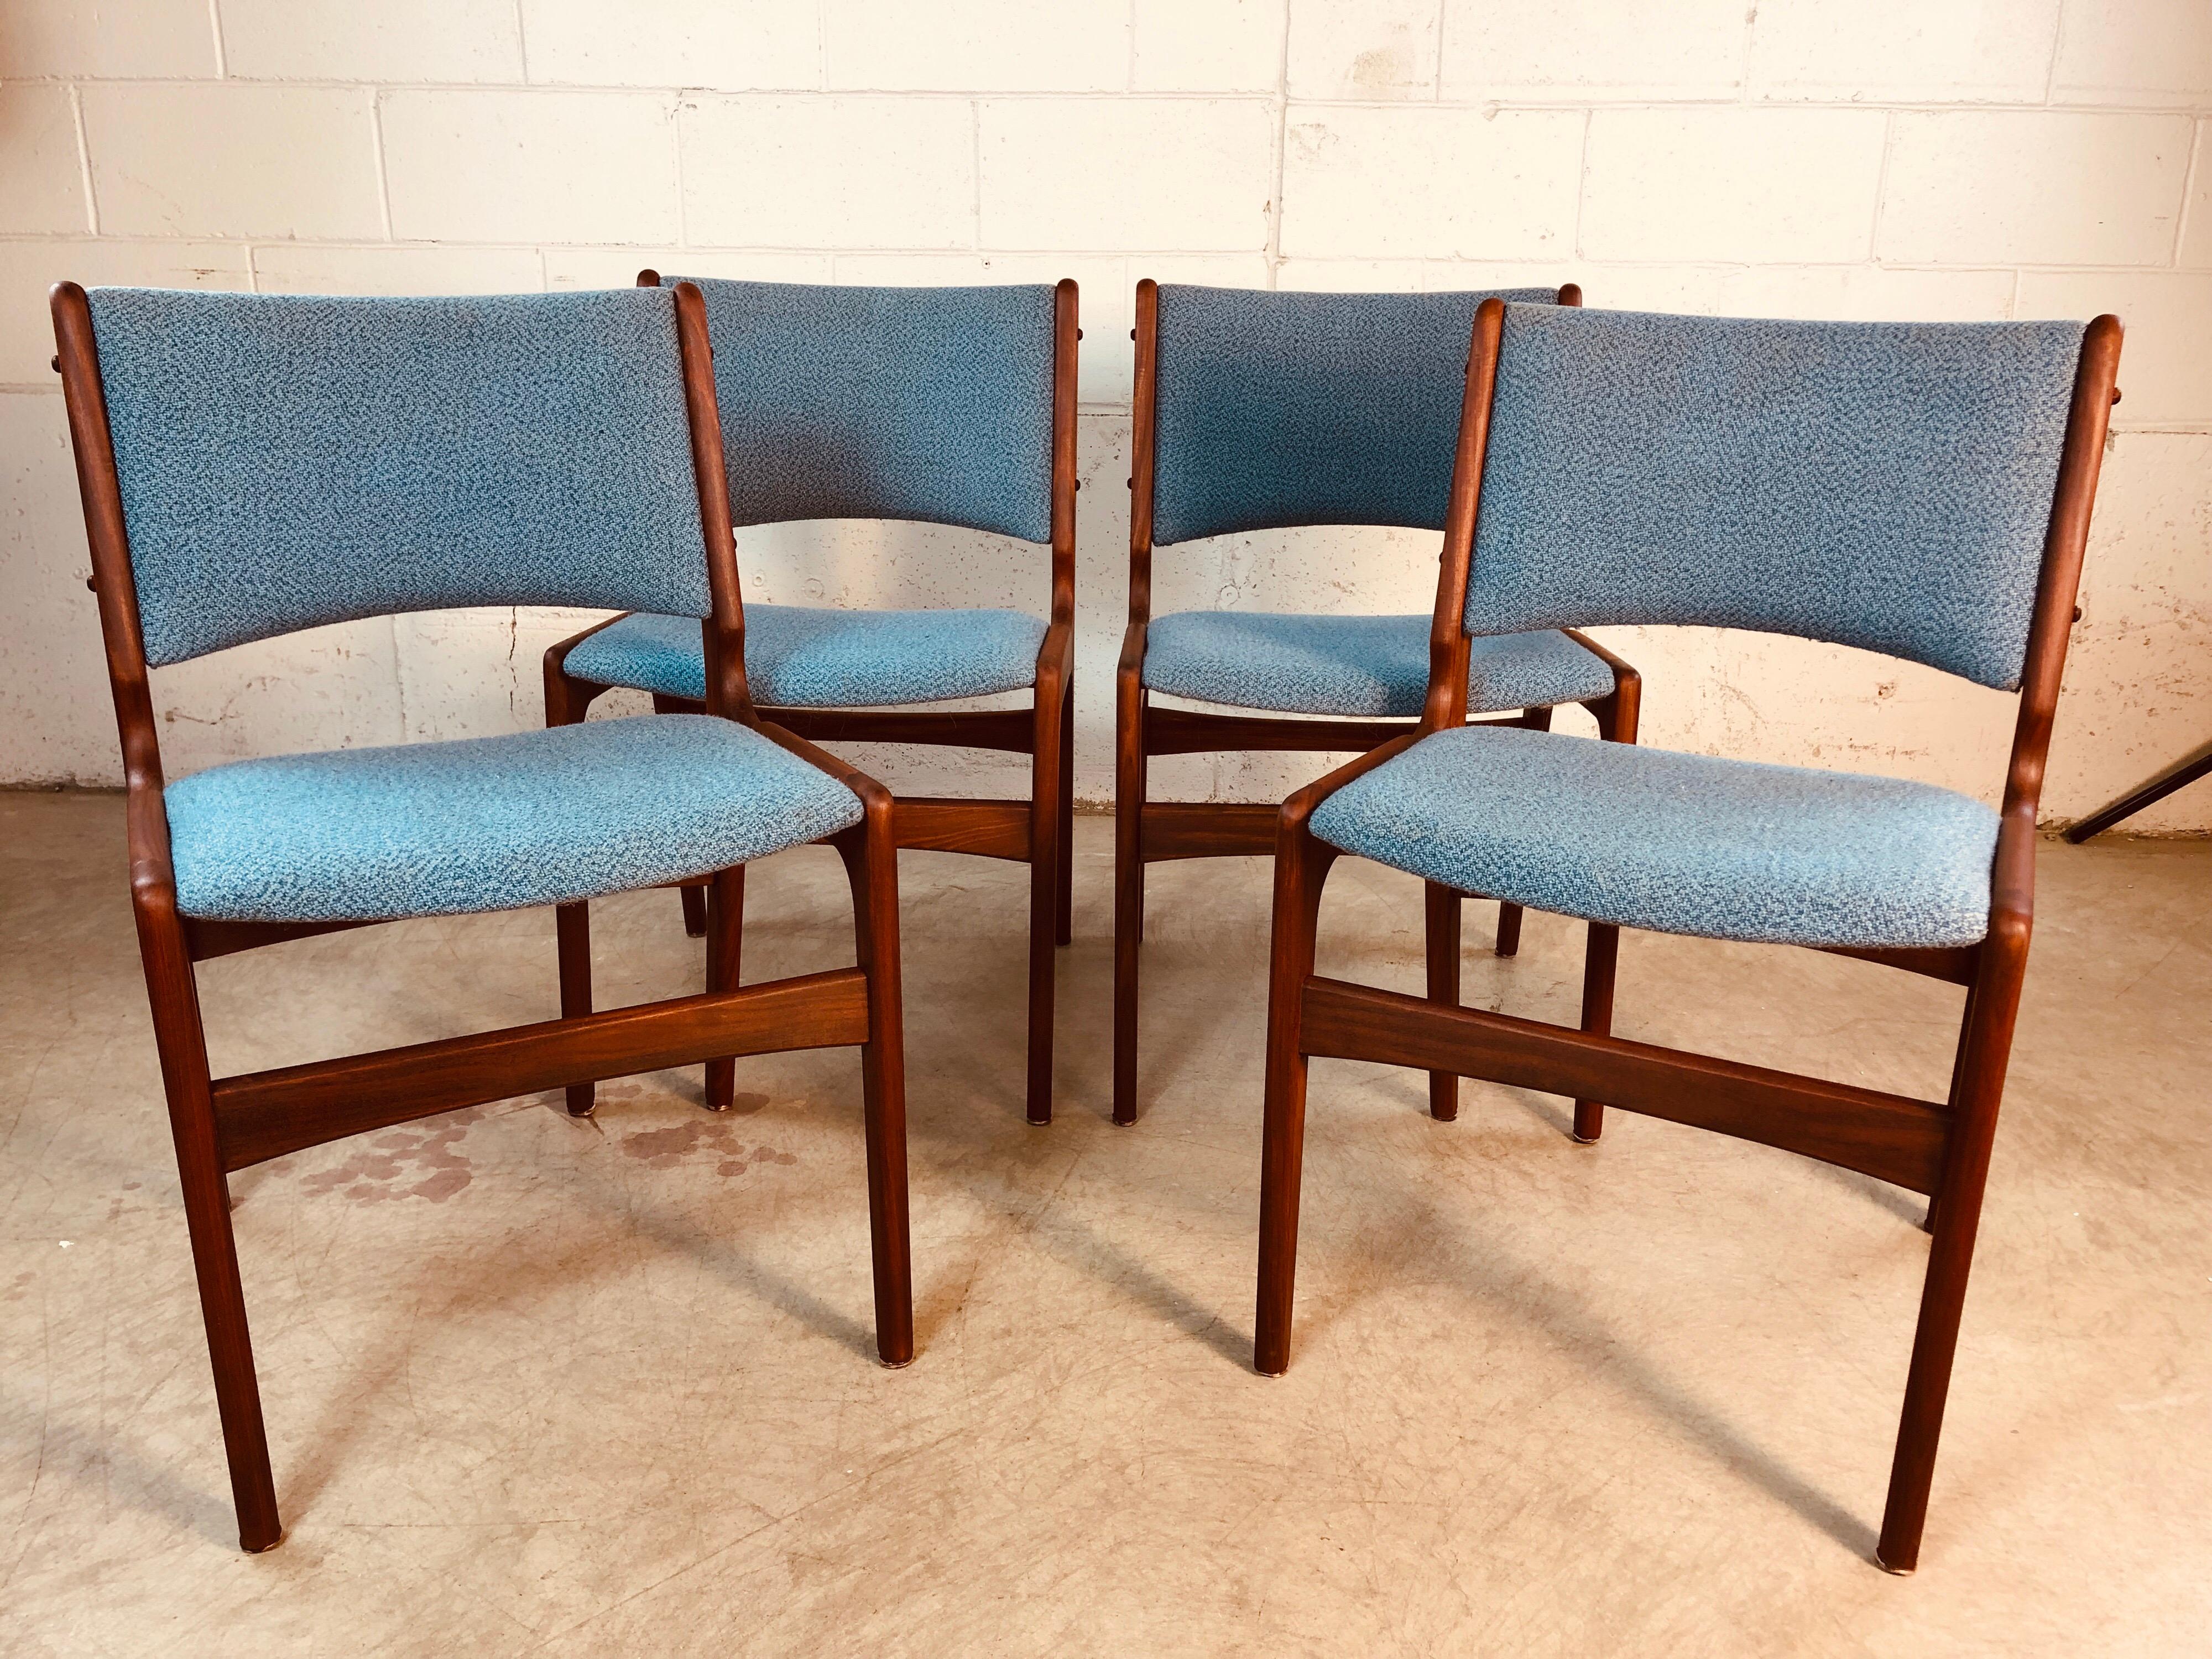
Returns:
point(229, 1123)
point(1154, 832)
point(1038, 832)
point(1941, 1148)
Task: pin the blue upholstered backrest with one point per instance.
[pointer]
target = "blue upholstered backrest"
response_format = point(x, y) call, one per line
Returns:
point(290, 461)
point(886, 403)
point(1879, 484)
point(1276, 409)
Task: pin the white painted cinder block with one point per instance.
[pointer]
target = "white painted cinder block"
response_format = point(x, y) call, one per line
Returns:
point(28, 270)
point(978, 46)
point(1438, 182)
point(731, 46)
point(1133, 173)
point(390, 40)
point(829, 172)
point(1962, 52)
point(321, 268)
point(170, 38)
point(529, 166)
point(1731, 183)
point(232, 158)
point(1208, 45)
point(617, 267)
point(41, 179)
point(2196, 221)
point(2135, 51)
point(1363, 49)
point(2166, 362)
point(1593, 48)
point(2033, 187)
point(2032, 157)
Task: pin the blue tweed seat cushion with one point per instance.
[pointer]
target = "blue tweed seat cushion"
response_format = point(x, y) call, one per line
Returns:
point(1675, 843)
point(1355, 665)
point(490, 823)
point(799, 657)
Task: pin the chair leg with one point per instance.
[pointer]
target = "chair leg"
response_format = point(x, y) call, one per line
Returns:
point(1301, 868)
point(1986, 1047)
point(1508, 929)
point(1599, 960)
point(1443, 908)
point(572, 928)
point(1066, 931)
point(1045, 856)
point(186, 1080)
point(726, 923)
point(1128, 889)
point(695, 910)
point(871, 865)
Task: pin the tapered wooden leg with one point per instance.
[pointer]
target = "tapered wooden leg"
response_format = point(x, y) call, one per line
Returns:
point(1508, 929)
point(572, 927)
point(726, 923)
point(186, 1079)
point(871, 864)
point(1599, 964)
point(1066, 932)
point(1985, 1048)
point(1044, 896)
point(695, 910)
point(1302, 865)
point(1443, 908)
point(1128, 889)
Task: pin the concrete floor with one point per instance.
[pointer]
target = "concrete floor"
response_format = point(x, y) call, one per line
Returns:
point(538, 1386)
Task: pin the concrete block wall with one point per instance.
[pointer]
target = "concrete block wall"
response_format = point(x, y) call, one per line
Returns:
point(1948, 159)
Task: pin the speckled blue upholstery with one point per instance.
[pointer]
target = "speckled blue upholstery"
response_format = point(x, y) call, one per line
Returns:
point(1886, 485)
point(1279, 408)
point(885, 403)
point(798, 657)
point(290, 461)
point(1676, 844)
point(1372, 665)
point(491, 823)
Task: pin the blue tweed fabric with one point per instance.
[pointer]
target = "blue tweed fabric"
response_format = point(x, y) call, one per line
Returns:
point(290, 461)
point(490, 823)
point(1355, 665)
point(799, 657)
point(1278, 408)
point(1675, 843)
point(885, 403)
point(1886, 485)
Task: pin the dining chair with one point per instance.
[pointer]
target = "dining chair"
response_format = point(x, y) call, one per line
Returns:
point(253, 464)
point(1917, 490)
point(945, 405)
point(1258, 409)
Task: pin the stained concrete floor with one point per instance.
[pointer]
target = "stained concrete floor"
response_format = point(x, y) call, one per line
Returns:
point(536, 1386)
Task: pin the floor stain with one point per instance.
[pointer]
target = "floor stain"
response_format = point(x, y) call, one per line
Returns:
point(704, 1138)
point(414, 1161)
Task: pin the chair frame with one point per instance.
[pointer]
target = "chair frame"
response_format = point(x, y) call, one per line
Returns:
point(1038, 832)
point(221, 1125)
point(1938, 1149)
point(1147, 831)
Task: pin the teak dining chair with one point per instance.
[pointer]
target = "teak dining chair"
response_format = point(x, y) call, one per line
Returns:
point(1267, 410)
point(1919, 489)
point(947, 405)
point(253, 464)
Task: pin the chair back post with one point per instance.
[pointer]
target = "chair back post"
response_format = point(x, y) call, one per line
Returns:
point(1144, 405)
point(2086, 420)
point(1065, 327)
point(102, 492)
point(727, 692)
point(1448, 645)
